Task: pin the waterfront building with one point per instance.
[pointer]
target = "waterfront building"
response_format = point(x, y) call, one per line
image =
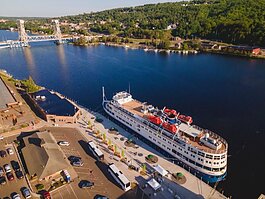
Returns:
point(43, 158)
point(55, 108)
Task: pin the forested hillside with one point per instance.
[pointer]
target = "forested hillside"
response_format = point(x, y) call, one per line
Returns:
point(232, 21)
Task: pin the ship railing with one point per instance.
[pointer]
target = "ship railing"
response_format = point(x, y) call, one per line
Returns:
point(216, 136)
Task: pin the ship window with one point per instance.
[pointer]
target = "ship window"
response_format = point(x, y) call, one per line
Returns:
point(217, 157)
point(201, 154)
point(207, 168)
point(223, 156)
point(191, 161)
point(159, 136)
point(215, 169)
point(150, 137)
point(163, 145)
point(174, 151)
point(164, 139)
point(199, 165)
point(168, 148)
point(209, 156)
point(154, 139)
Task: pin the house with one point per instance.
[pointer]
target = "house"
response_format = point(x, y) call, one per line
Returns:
point(43, 157)
point(244, 50)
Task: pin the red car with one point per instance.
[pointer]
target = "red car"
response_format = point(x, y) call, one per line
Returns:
point(10, 176)
point(46, 195)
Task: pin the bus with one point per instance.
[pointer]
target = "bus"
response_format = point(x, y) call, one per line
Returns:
point(96, 152)
point(119, 177)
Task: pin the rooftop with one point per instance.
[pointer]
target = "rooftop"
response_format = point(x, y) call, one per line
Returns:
point(52, 104)
point(6, 96)
point(42, 155)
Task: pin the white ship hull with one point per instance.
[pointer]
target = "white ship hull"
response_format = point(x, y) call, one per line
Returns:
point(180, 151)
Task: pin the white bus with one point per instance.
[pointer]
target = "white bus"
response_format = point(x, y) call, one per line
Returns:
point(119, 177)
point(96, 152)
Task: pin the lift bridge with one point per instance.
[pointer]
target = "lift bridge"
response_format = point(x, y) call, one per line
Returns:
point(24, 39)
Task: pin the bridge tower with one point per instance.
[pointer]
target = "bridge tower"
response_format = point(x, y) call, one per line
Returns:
point(23, 37)
point(57, 31)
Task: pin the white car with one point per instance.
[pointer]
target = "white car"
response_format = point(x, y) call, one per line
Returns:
point(16, 196)
point(1, 137)
point(7, 168)
point(64, 143)
point(10, 151)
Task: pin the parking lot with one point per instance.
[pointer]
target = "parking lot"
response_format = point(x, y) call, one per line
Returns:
point(91, 170)
point(14, 186)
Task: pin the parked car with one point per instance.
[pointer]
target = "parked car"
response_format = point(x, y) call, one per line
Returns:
point(15, 165)
point(86, 184)
point(2, 180)
point(1, 171)
point(7, 168)
point(10, 176)
point(1, 137)
point(46, 195)
point(19, 174)
point(78, 163)
point(64, 143)
point(16, 196)
point(74, 158)
point(100, 197)
point(3, 153)
point(10, 151)
point(26, 192)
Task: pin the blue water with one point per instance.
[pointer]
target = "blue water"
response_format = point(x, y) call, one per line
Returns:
point(223, 93)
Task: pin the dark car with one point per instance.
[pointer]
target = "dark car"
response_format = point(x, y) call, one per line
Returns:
point(46, 195)
point(100, 197)
point(86, 184)
point(10, 176)
point(19, 174)
point(3, 153)
point(74, 158)
point(15, 165)
point(2, 180)
point(78, 163)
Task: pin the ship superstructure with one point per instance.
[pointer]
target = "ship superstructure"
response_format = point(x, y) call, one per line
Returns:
point(201, 151)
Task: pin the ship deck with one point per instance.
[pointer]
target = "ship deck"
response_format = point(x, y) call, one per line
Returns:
point(135, 107)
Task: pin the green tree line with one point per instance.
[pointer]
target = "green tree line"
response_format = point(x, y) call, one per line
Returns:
point(231, 21)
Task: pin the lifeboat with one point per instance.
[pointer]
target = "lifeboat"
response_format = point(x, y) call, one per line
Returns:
point(155, 120)
point(170, 111)
point(170, 127)
point(184, 118)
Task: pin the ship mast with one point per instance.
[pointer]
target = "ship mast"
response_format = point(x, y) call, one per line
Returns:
point(103, 95)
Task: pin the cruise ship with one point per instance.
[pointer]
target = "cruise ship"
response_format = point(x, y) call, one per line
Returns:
point(198, 150)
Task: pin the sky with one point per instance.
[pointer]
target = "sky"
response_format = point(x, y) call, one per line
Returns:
point(53, 8)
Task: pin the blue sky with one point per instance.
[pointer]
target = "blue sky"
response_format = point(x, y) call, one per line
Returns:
point(64, 7)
